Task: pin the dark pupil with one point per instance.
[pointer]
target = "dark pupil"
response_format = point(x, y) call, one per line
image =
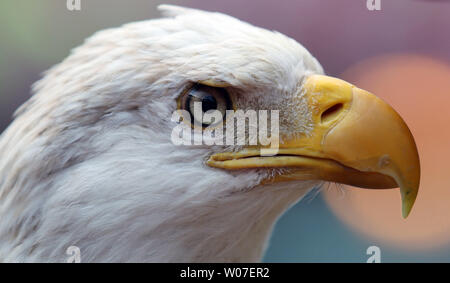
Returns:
point(209, 103)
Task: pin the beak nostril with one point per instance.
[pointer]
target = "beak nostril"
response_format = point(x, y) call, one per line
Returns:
point(332, 112)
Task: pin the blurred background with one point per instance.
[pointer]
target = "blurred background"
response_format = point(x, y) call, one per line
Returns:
point(401, 53)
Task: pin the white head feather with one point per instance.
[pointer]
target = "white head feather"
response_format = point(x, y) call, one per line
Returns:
point(89, 162)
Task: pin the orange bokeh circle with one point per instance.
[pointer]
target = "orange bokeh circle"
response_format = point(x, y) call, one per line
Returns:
point(418, 87)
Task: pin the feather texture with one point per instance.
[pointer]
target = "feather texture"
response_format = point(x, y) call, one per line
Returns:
point(88, 160)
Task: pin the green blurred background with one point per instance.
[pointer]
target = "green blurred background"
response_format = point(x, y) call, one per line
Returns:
point(36, 34)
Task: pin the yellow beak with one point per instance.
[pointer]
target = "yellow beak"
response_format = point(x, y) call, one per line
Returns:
point(357, 139)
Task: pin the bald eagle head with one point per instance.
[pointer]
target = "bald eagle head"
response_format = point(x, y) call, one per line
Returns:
point(90, 160)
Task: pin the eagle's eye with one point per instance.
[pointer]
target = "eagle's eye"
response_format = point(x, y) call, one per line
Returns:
point(200, 99)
